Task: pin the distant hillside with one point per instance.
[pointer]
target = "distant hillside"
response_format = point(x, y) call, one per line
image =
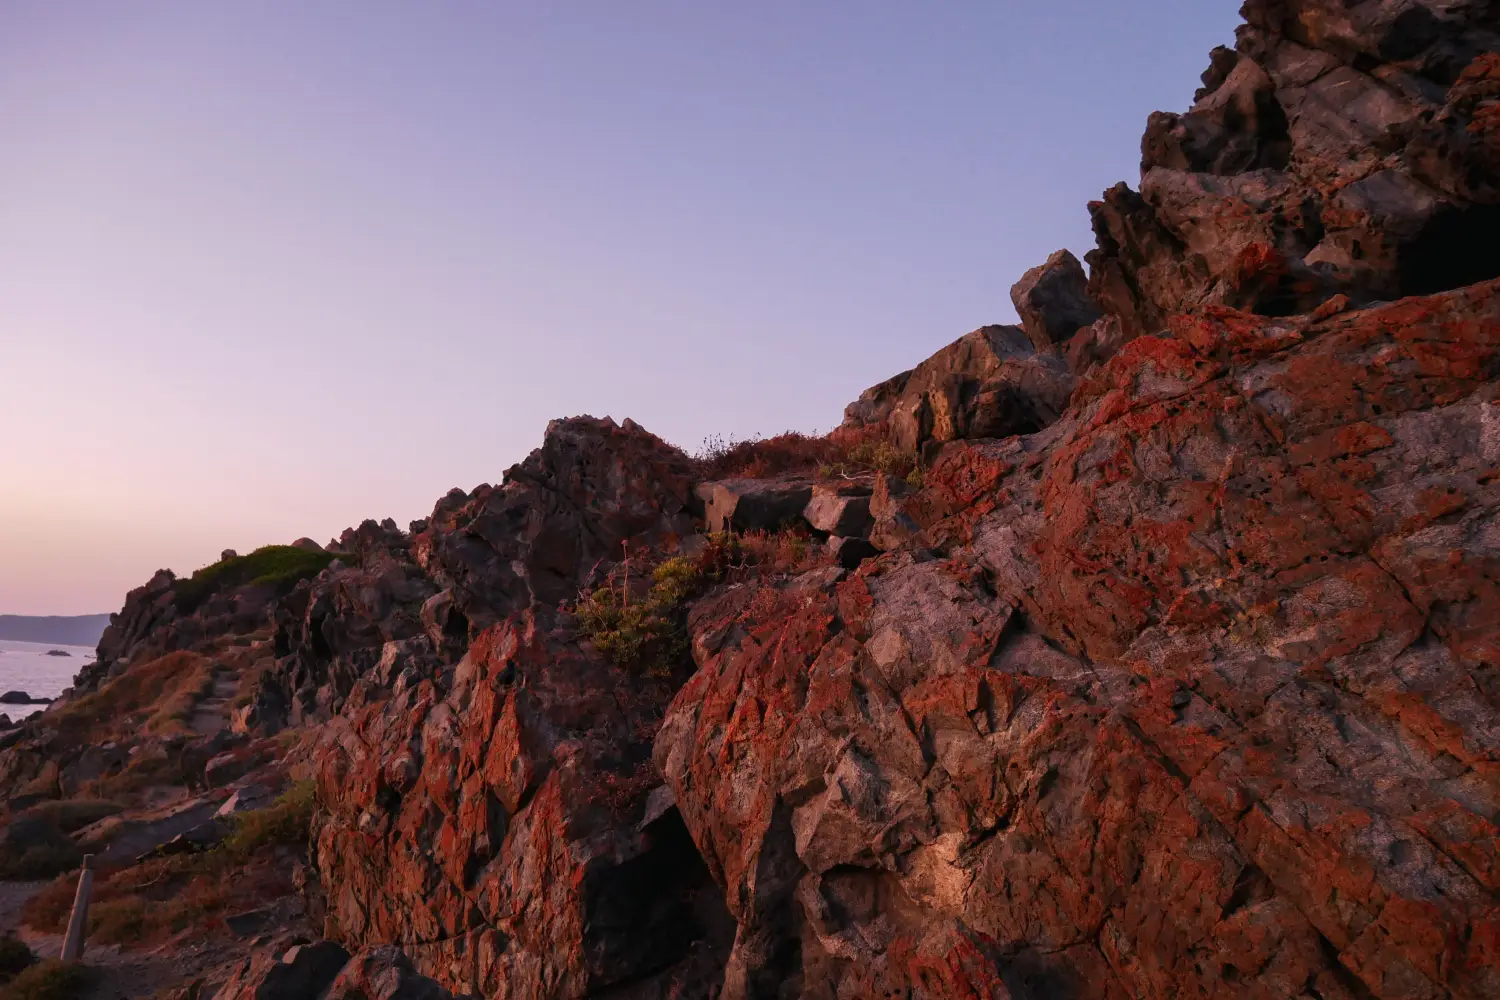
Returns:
point(78, 630)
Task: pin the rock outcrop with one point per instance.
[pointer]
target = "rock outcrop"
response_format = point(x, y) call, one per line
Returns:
point(1338, 149)
point(1053, 301)
point(990, 383)
point(1191, 694)
point(503, 829)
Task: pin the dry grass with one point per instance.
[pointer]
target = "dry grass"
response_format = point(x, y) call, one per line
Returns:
point(143, 771)
point(151, 903)
point(70, 815)
point(285, 821)
point(157, 696)
point(844, 451)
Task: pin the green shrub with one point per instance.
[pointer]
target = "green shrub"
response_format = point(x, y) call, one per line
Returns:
point(649, 634)
point(287, 820)
point(279, 566)
point(49, 980)
point(15, 957)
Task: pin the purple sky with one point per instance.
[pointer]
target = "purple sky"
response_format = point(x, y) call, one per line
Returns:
point(267, 269)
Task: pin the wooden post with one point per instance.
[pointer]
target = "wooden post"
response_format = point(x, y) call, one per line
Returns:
point(78, 923)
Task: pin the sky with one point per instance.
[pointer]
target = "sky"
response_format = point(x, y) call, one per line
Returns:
point(269, 269)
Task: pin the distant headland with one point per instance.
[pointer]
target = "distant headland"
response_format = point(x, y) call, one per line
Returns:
point(76, 630)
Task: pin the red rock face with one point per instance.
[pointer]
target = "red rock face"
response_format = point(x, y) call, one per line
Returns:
point(503, 832)
point(1193, 694)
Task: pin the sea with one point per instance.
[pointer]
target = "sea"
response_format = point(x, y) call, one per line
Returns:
point(25, 666)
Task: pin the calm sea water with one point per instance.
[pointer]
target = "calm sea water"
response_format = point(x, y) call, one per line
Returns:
point(25, 666)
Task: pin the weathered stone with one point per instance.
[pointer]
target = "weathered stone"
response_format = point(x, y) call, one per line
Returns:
point(1053, 301)
point(1376, 122)
point(1198, 701)
point(990, 383)
point(558, 518)
point(835, 512)
point(303, 972)
point(495, 830)
point(892, 526)
point(850, 552)
point(756, 504)
point(235, 764)
point(251, 796)
point(385, 974)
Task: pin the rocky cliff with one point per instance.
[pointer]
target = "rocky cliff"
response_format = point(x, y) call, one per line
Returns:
point(1172, 670)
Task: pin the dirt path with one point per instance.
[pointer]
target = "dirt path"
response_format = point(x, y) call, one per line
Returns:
point(211, 715)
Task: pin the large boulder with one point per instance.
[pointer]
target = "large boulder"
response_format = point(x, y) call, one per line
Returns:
point(990, 383)
point(558, 519)
point(1053, 301)
point(301, 972)
point(1192, 694)
point(755, 504)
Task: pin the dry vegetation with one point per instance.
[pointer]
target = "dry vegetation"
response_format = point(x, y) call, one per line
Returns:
point(156, 697)
point(844, 451)
point(49, 980)
point(154, 901)
point(644, 629)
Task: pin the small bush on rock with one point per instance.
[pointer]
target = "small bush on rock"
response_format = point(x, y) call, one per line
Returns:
point(285, 821)
point(49, 980)
point(15, 957)
point(647, 634)
point(844, 451)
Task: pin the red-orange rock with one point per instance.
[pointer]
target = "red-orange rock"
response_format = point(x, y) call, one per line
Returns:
point(502, 832)
point(1193, 694)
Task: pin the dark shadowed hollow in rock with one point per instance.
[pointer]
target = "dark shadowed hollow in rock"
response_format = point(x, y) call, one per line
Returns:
point(1458, 247)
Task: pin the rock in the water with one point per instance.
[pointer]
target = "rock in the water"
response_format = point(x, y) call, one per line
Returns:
point(22, 698)
point(58, 652)
point(1053, 301)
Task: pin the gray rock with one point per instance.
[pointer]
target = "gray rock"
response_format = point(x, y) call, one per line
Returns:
point(892, 527)
point(385, 973)
point(755, 504)
point(251, 796)
point(303, 972)
point(838, 514)
point(1053, 300)
point(990, 383)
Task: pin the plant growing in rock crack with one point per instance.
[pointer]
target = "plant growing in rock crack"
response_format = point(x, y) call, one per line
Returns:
point(647, 635)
